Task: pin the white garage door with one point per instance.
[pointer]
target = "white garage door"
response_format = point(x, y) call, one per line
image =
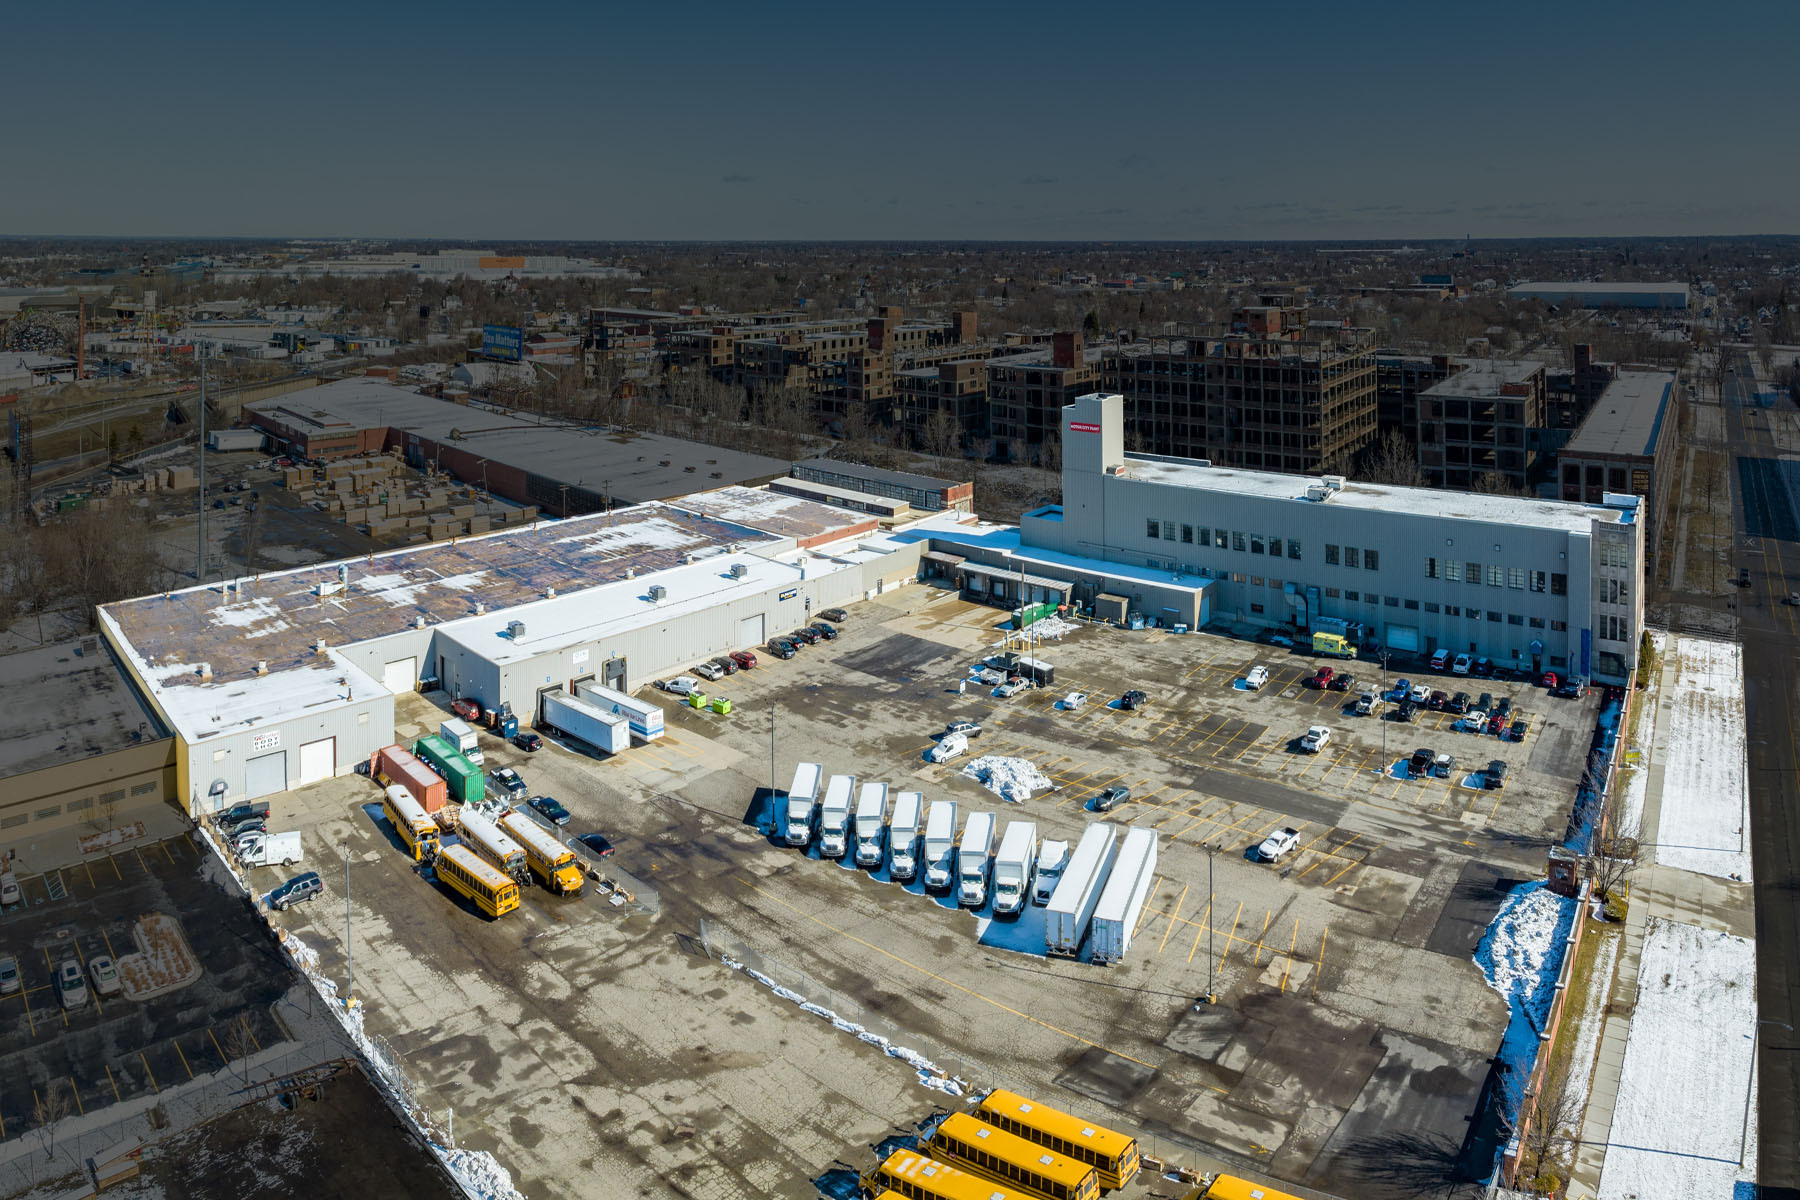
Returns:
point(750, 631)
point(318, 760)
point(266, 775)
point(1403, 637)
point(401, 675)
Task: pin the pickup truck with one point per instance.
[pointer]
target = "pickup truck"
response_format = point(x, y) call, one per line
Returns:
point(1277, 845)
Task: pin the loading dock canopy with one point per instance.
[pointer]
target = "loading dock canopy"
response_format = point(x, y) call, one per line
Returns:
point(1038, 581)
point(938, 556)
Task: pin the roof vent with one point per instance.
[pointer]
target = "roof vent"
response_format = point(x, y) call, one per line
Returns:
point(515, 630)
point(344, 574)
point(262, 667)
point(631, 572)
point(206, 672)
point(657, 593)
point(419, 621)
point(480, 608)
point(739, 570)
point(1318, 492)
point(1335, 482)
point(549, 593)
point(318, 645)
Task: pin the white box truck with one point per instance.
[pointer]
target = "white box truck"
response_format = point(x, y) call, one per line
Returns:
point(940, 845)
point(461, 734)
point(1122, 903)
point(271, 849)
point(974, 860)
point(802, 799)
point(903, 837)
point(571, 715)
point(1012, 867)
point(871, 818)
point(646, 718)
point(1071, 906)
point(834, 816)
point(1052, 858)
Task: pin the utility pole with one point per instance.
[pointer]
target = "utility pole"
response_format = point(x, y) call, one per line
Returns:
point(1383, 717)
point(349, 960)
point(1212, 922)
point(200, 549)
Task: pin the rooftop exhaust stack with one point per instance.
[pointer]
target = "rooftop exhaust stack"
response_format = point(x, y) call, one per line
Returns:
point(319, 646)
point(205, 672)
point(480, 608)
point(631, 572)
point(549, 593)
point(419, 621)
point(344, 575)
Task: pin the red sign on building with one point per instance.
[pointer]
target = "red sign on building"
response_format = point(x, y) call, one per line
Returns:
point(1083, 427)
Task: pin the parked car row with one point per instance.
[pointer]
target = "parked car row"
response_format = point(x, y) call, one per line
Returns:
point(72, 983)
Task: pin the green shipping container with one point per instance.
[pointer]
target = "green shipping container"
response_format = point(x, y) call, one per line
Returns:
point(465, 783)
point(1032, 612)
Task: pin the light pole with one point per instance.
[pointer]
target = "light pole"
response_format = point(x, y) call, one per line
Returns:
point(1750, 1084)
point(1383, 717)
point(1212, 849)
point(349, 960)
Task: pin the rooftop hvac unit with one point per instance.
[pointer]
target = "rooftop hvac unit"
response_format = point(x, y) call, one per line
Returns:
point(1335, 482)
point(515, 630)
point(549, 593)
point(739, 570)
point(657, 593)
point(1318, 491)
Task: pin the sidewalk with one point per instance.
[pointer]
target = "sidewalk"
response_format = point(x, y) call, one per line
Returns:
point(1663, 892)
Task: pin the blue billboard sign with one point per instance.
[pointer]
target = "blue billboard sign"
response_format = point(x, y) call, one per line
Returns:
point(505, 342)
point(1587, 653)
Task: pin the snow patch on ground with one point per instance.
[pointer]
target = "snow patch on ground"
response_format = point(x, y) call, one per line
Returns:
point(1678, 1122)
point(929, 1075)
point(1012, 779)
point(1521, 955)
point(1049, 629)
point(1706, 786)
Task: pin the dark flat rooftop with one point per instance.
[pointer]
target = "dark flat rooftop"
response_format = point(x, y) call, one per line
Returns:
point(852, 470)
point(69, 704)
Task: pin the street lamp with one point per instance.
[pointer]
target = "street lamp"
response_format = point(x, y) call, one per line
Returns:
point(1211, 996)
point(349, 960)
point(1750, 1083)
point(1383, 717)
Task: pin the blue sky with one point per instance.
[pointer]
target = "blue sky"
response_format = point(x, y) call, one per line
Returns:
point(932, 120)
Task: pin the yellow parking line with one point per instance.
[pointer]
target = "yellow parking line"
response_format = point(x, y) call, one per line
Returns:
point(80, 1108)
point(223, 1057)
point(1144, 913)
point(30, 1021)
point(249, 1032)
point(1292, 942)
point(149, 1072)
point(184, 1061)
point(113, 1082)
point(1172, 919)
point(1268, 915)
point(118, 875)
point(1232, 936)
point(1319, 968)
point(1200, 927)
point(166, 854)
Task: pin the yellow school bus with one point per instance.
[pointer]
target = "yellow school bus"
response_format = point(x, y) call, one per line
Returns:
point(1114, 1156)
point(418, 832)
point(1022, 1166)
point(490, 890)
point(914, 1176)
point(1230, 1187)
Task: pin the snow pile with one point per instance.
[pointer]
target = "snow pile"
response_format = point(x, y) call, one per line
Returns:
point(1706, 786)
point(1048, 629)
point(930, 1076)
point(1012, 779)
point(94, 843)
point(163, 962)
point(1521, 955)
point(1678, 1122)
point(477, 1172)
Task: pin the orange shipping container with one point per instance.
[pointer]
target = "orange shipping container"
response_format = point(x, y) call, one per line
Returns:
point(395, 765)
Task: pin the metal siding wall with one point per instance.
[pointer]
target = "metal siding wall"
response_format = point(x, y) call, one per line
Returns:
point(356, 741)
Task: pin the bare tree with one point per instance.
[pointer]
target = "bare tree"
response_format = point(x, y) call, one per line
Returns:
point(1393, 460)
point(1493, 483)
point(1554, 1121)
point(942, 435)
point(50, 1107)
point(240, 1044)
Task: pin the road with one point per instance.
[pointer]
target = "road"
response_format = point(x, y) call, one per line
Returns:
point(1768, 546)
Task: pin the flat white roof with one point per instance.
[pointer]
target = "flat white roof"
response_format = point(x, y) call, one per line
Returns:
point(1437, 503)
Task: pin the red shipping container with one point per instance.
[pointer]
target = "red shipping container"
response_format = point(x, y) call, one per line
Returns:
point(396, 765)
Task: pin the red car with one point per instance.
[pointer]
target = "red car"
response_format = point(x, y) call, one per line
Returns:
point(1497, 722)
point(744, 659)
point(1549, 679)
point(1322, 678)
point(468, 710)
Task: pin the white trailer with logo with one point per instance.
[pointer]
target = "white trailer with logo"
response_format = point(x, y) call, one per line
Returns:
point(1072, 905)
point(646, 718)
point(1122, 903)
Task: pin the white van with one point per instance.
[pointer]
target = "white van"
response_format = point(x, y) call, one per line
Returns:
point(952, 745)
point(1255, 677)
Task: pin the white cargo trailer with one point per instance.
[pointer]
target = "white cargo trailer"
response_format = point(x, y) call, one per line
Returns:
point(871, 817)
point(903, 837)
point(646, 718)
point(940, 846)
point(802, 798)
point(1122, 903)
point(1012, 867)
point(571, 715)
point(834, 816)
point(975, 859)
point(1072, 905)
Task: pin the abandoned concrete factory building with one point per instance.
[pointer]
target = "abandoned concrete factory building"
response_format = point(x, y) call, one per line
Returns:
point(272, 682)
point(1531, 584)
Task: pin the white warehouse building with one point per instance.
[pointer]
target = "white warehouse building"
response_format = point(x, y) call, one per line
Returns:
point(1532, 584)
point(287, 678)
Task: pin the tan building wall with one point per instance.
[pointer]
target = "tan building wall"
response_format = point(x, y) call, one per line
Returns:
point(44, 813)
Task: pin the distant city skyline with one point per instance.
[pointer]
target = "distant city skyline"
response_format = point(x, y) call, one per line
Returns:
point(929, 122)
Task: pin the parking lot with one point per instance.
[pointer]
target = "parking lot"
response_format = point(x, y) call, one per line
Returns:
point(114, 1048)
point(1352, 1029)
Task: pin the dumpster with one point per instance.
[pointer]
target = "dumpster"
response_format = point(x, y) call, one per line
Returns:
point(697, 700)
point(721, 705)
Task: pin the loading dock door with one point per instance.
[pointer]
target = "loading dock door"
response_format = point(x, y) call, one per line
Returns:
point(266, 775)
point(1403, 637)
point(401, 675)
point(318, 760)
point(750, 630)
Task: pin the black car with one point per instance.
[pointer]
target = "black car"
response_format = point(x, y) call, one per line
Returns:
point(237, 814)
point(724, 666)
point(1343, 681)
point(780, 648)
point(1111, 798)
point(823, 630)
point(1494, 778)
point(548, 808)
point(1458, 704)
point(835, 614)
point(806, 636)
point(1517, 732)
point(1569, 689)
point(1486, 703)
point(305, 886)
point(1505, 708)
point(1133, 699)
point(594, 846)
point(1403, 712)
point(1484, 668)
point(1419, 765)
point(530, 743)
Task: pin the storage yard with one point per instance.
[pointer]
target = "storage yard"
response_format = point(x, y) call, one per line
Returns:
point(606, 1029)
